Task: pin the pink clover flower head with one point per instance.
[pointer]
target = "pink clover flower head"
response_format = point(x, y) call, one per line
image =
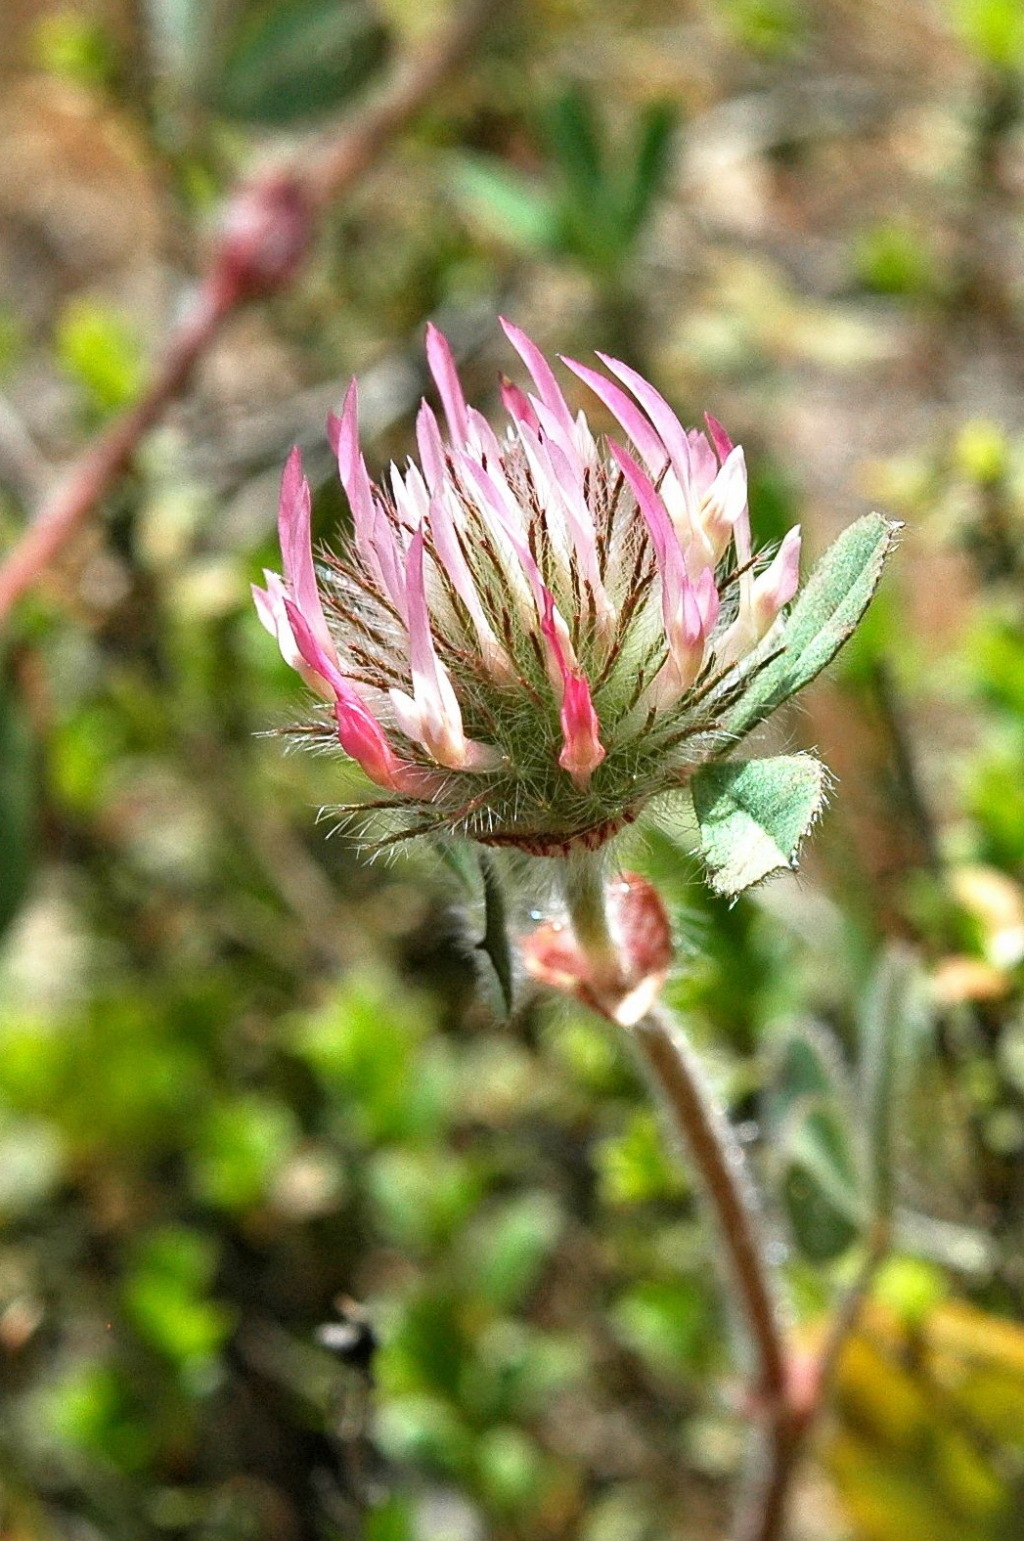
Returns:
point(535, 632)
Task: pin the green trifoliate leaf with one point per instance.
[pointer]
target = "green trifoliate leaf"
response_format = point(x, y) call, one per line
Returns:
point(753, 815)
point(822, 619)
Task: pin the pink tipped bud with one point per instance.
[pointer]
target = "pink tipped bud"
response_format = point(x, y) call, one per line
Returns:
point(719, 438)
point(642, 935)
point(775, 587)
point(761, 600)
point(517, 404)
point(264, 236)
point(582, 750)
point(359, 733)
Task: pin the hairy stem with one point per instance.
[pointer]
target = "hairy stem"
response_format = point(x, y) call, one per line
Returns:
point(584, 879)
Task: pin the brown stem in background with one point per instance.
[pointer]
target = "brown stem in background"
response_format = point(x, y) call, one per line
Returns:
point(266, 233)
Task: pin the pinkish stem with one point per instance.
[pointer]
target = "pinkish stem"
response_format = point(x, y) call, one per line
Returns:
point(265, 236)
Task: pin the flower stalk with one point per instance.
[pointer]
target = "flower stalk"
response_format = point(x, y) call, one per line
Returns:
point(675, 1073)
point(588, 916)
point(673, 1069)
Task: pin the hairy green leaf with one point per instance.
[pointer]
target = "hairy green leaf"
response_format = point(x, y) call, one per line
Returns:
point(753, 815)
point(823, 618)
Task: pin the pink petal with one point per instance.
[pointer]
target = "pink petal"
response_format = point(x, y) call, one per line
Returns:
point(375, 536)
point(446, 378)
point(761, 599)
point(431, 447)
point(673, 434)
point(432, 715)
point(719, 438)
point(500, 510)
point(703, 461)
point(630, 418)
point(441, 719)
point(293, 524)
point(543, 377)
point(264, 609)
point(725, 505)
point(517, 404)
point(451, 557)
point(344, 433)
point(776, 586)
point(559, 489)
point(271, 609)
point(689, 612)
point(482, 438)
point(359, 733)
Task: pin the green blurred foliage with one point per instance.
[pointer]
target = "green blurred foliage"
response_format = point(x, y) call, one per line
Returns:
point(247, 1078)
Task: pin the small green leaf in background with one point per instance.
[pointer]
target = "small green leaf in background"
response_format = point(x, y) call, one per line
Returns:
point(99, 351)
point(241, 1148)
point(166, 1296)
point(650, 167)
point(890, 257)
point(753, 815)
point(513, 207)
point(634, 1167)
point(95, 1410)
point(574, 133)
point(824, 616)
point(814, 1145)
point(75, 47)
point(819, 1188)
point(993, 28)
point(509, 1247)
point(669, 1323)
point(394, 1520)
point(509, 1469)
point(289, 61)
point(894, 1015)
point(604, 193)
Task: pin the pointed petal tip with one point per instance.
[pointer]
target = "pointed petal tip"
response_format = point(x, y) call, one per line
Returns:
point(721, 441)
